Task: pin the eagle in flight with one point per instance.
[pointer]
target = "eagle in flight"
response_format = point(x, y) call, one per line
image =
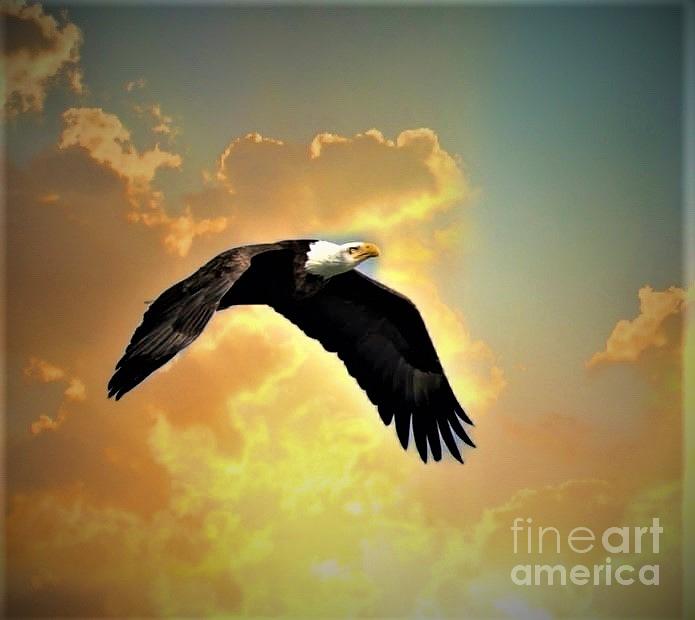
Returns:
point(377, 332)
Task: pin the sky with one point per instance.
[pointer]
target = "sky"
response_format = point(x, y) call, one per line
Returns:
point(520, 170)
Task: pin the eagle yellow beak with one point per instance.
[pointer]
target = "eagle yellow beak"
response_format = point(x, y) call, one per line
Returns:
point(367, 250)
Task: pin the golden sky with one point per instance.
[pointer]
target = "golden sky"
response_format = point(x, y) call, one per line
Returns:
point(251, 477)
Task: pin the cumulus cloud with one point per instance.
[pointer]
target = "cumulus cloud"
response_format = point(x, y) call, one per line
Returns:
point(412, 170)
point(260, 523)
point(630, 338)
point(256, 440)
point(37, 49)
point(108, 142)
point(333, 183)
point(210, 473)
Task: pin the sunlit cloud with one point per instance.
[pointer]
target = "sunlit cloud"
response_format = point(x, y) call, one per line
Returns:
point(251, 476)
point(40, 370)
point(43, 371)
point(395, 188)
point(76, 81)
point(363, 182)
point(37, 48)
point(233, 525)
point(163, 124)
point(47, 423)
point(630, 338)
point(76, 390)
point(108, 142)
point(228, 473)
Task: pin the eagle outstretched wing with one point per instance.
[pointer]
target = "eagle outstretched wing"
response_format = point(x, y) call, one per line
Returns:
point(176, 318)
point(383, 342)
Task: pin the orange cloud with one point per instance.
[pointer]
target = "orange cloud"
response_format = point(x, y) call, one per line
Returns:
point(629, 339)
point(412, 170)
point(76, 390)
point(43, 371)
point(163, 124)
point(228, 475)
point(262, 521)
point(37, 48)
point(108, 142)
point(46, 423)
point(179, 231)
point(364, 182)
point(414, 249)
point(46, 372)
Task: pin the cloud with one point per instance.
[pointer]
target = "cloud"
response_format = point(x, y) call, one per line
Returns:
point(37, 49)
point(260, 523)
point(414, 247)
point(227, 476)
point(76, 390)
point(108, 142)
point(76, 294)
point(335, 183)
point(595, 504)
point(76, 81)
point(471, 365)
point(179, 230)
point(248, 453)
point(135, 84)
point(47, 423)
point(45, 372)
point(163, 124)
point(185, 228)
point(629, 339)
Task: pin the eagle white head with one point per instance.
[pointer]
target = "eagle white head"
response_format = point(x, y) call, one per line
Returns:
point(329, 259)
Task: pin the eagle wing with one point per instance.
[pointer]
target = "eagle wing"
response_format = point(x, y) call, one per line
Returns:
point(176, 318)
point(383, 342)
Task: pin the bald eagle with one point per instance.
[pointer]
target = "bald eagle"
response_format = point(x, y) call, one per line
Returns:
point(377, 333)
